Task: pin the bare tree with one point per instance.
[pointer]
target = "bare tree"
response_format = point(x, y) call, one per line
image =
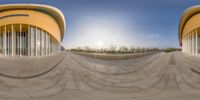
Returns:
point(123, 49)
point(113, 49)
point(78, 49)
point(87, 48)
point(132, 50)
point(142, 49)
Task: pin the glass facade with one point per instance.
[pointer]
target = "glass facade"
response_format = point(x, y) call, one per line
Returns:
point(19, 40)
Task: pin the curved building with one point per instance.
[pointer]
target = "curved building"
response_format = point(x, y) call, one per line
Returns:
point(189, 30)
point(30, 30)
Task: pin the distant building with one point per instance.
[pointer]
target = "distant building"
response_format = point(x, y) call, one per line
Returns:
point(189, 30)
point(30, 30)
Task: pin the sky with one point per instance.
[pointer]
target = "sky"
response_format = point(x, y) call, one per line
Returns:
point(102, 23)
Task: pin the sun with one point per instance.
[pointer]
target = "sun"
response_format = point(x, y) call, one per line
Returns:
point(100, 44)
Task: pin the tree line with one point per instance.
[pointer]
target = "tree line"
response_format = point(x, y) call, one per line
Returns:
point(114, 49)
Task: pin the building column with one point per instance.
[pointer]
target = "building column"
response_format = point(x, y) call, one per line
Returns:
point(184, 44)
point(5, 41)
point(193, 48)
point(12, 40)
point(42, 42)
point(49, 43)
point(45, 43)
point(20, 40)
point(188, 38)
point(196, 36)
point(191, 43)
point(0, 41)
point(29, 39)
point(188, 41)
point(8, 42)
point(46, 36)
point(36, 41)
point(18, 46)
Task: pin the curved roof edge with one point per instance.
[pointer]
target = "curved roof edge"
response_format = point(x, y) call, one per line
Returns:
point(50, 10)
point(187, 14)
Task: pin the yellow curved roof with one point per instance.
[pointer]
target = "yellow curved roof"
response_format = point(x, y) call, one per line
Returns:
point(188, 13)
point(52, 11)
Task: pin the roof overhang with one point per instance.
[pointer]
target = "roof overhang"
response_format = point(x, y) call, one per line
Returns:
point(188, 13)
point(50, 10)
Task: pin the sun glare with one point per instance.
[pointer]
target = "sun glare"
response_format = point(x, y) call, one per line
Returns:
point(100, 33)
point(100, 44)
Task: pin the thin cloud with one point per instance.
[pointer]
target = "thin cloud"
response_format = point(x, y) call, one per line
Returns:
point(154, 35)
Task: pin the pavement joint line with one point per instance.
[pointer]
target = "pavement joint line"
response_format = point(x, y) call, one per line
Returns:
point(197, 72)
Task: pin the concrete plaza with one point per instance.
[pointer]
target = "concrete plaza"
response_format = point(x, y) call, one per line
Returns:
point(68, 76)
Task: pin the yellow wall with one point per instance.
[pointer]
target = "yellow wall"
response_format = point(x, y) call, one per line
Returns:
point(192, 24)
point(35, 18)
